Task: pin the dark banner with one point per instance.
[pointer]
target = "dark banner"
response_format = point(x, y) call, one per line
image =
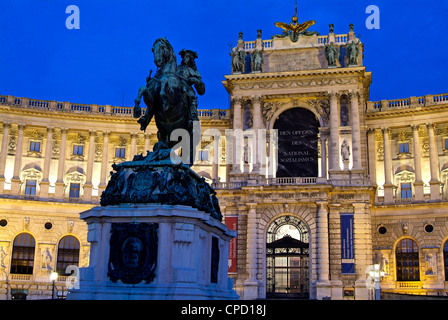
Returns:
point(347, 244)
point(232, 224)
point(297, 143)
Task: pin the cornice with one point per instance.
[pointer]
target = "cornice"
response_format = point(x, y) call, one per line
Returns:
point(295, 74)
point(404, 112)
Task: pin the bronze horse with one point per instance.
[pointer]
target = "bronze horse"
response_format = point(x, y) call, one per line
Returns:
point(166, 96)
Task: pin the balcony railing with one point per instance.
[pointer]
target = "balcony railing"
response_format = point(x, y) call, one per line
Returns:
point(290, 181)
point(92, 108)
point(408, 103)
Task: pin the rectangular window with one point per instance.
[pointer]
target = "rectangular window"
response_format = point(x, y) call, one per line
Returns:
point(35, 146)
point(120, 152)
point(404, 147)
point(203, 155)
point(78, 150)
point(74, 190)
point(30, 187)
point(446, 143)
point(406, 191)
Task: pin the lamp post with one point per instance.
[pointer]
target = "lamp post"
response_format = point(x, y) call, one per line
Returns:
point(375, 274)
point(53, 277)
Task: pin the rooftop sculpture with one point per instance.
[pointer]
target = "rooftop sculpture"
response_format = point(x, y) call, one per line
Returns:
point(294, 29)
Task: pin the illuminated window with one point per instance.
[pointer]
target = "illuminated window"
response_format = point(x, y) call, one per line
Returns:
point(406, 191)
point(68, 254)
point(407, 261)
point(120, 152)
point(74, 190)
point(22, 260)
point(35, 146)
point(404, 147)
point(203, 155)
point(30, 187)
point(78, 150)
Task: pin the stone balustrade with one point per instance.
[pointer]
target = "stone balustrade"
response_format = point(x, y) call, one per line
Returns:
point(50, 105)
point(408, 103)
point(339, 39)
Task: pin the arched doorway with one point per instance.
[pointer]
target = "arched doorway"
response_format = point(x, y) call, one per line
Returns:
point(287, 258)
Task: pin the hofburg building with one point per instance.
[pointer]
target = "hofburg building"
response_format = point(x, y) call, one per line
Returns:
point(352, 191)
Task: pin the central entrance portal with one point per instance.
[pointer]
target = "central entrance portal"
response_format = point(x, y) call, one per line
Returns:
point(287, 259)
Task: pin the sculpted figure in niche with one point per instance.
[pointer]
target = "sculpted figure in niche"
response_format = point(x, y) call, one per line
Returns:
point(431, 264)
point(46, 259)
point(345, 150)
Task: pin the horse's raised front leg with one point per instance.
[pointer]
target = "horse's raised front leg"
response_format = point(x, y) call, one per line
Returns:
point(137, 109)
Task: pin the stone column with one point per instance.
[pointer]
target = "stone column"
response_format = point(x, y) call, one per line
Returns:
point(372, 156)
point(104, 163)
point(59, 189)
point(334, 243)
point(363, 249)
point(323, 157)
point(45, 183)
point(388, 186)
point(216, 157)
point(251, 284)
point(418, 183)
point(356, 135)
point(15, 181)
point(88, 186)
point(237, 124)
point(256, 102)
point(334, 133)
point(133, 152)
point(323, 254)
point(237, 116)
point(434, 183)
point(147, 143)
point(3, 154)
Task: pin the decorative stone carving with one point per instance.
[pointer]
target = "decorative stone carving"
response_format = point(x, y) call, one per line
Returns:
point(12, 142)
point(133, 252)
point(269, 108)
point(431, 264)
point(155, 178)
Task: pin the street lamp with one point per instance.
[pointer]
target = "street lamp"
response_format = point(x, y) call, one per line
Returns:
point(375, 274)
point(53, 277)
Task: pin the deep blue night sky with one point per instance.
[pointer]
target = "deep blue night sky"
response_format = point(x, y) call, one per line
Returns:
point(109, 57)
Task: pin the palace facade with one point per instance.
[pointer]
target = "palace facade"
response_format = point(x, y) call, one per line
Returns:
point(320, 183)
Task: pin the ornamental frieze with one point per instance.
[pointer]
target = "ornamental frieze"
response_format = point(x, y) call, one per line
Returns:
point(296, 83)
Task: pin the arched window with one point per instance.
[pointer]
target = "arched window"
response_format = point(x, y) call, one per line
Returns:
point(22, 261)
point(68, 254)
point(445, 259)
point(407, 260)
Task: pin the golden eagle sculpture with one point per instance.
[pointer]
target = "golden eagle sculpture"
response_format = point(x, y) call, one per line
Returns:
point(294, 27)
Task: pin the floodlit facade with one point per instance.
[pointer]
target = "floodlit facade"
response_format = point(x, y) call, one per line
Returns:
point(320, 183)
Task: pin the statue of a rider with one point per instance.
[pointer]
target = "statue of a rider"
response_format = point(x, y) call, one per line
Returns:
point(170, 96)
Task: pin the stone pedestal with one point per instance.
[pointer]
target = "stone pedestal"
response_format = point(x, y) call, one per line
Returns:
point(155, 252)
